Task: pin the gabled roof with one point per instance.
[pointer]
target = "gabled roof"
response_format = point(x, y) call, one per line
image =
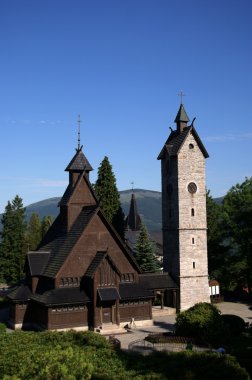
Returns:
point(61, 296)
point(61, 247)
point(37, 262)
point(79, 162)
point(96, 262)
point(133, 220)
point(177, 139)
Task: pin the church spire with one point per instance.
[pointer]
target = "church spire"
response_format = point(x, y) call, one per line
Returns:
point(133, 220)
point(182, 118)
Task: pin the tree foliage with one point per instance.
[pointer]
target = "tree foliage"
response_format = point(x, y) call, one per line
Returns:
point(230, 237)
point(84, 355)
point(237, 209)
point(34, 231)
point(145, 251)
point(106, 190)
point(17, 237)
point(202, 321)
point(13, 244)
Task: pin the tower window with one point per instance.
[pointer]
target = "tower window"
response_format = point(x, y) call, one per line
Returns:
point(193, 240)
point(192, 187)
point(192, 212)
point(191, 146)
point(193, 264)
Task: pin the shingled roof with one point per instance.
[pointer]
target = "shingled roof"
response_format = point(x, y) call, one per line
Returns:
point(129, 291)
point(37, 262)
point(79, 163)
point(61, 296)
point(20, 293)
point(62, 246)
point(157, 281)
point(95, 264)
point(177, 139)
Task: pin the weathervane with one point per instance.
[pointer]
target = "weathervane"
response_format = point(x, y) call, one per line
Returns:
point(181, 94)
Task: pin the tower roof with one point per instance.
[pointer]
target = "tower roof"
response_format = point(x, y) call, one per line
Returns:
point(79, 162)
point(133, 220)
point(181, 115)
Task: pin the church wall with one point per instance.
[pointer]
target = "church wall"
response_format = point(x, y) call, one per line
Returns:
point(60, 317)
point(139, 310)
point(95, 238)
point(170, 214)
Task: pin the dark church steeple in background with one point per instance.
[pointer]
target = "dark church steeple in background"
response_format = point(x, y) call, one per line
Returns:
point(133, 220)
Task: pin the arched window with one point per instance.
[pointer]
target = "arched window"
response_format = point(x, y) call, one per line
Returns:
point(192, 212)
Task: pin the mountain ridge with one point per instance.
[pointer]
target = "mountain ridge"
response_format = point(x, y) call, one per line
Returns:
point(149, 204)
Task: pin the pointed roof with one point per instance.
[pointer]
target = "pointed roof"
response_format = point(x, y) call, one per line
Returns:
point(79, 162)
point(181, 115)
point(133, 220)
point(176, 140)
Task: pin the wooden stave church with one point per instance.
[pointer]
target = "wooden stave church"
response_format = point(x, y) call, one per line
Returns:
point(83, 276)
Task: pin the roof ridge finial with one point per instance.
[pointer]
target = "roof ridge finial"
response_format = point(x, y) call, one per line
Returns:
point(79, 122)
point(181, 94)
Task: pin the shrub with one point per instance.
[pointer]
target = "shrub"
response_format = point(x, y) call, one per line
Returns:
point(202, 322)
point(236, 325)
point(2, 328)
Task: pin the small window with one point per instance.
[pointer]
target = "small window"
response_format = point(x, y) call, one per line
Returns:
point(193, 264)
point(191, 146)
point(193, 240)
point(192, 212)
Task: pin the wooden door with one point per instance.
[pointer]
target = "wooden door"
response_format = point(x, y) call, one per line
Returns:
point(106, 315)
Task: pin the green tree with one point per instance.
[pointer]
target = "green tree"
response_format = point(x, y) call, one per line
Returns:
point(13, 244)
point(215, 237)
point(145, 251)
point(34, 231)
point(106, 191)
point(46, 224)
point(237, 208)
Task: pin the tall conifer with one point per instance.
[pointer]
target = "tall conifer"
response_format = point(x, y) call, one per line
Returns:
point(145, 251)
point(13, 244)
point(107, 193)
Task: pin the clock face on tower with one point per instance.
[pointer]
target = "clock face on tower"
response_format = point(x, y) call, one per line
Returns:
point(192, 187)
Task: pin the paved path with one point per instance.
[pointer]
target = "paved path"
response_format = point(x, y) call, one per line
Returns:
point(166, 323)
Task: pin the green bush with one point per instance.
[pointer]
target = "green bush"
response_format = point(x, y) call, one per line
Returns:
point(2, 328)
point(235, 325)
point(202, 322)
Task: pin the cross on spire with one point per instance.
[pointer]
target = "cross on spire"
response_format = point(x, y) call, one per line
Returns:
point(79, 122)
point(181, 94)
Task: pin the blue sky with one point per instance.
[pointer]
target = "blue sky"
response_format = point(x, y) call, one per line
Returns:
point(120, 64)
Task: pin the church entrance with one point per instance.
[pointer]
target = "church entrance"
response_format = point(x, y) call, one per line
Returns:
point(107, 314)
point(107, 301)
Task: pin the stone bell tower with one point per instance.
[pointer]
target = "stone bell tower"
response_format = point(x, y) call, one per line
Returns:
point(184, 211)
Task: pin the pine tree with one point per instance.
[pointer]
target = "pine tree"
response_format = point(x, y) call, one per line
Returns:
point(145, 251)
point(107, 193)
point(13, 244)
point(34, 231)
point(46, 224)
